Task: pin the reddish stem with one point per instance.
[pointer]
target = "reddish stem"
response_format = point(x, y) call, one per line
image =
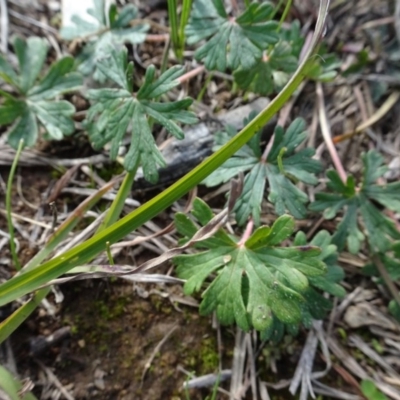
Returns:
point(247, 233)
point(191, 74)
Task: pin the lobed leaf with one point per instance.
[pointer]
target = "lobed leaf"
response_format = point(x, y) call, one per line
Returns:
point(59, 79)
point(361, 202)
point(36, 101)
point(109, 30)
point(114, 111)
point(258, 281)
point(270, 73)
point(283, 192)
point(31, 54)
point(231, 43)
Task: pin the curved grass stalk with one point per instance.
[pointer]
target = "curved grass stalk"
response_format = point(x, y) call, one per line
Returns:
point(29, 281)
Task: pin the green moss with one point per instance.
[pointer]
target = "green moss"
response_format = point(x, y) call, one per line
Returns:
point(110, 309)
point(202, 359)
point(209, 355)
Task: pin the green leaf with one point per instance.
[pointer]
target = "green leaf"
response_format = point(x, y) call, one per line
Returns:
point(59, 79)
point(56, 117)
point(7, 73)
point(361, 202)
point(12, 388)
point(10, 110)
point(316, 306)
point(249, 203)
point(125, 16)
point(231, 43)
point(373, 168)
point(36, 100)
point(105, 34)
point(283, 192)
point(113, 111)
point(24, 128)
point(324, 67)
point(380, 228)
point(31, 55)
point(203, 213)
point(282, 228)
point(81, 26)
point(254, 282)
point(270, 73)
point(370, 391)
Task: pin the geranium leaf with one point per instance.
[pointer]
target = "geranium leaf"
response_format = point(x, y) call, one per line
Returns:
point(37, 101)
point(256, 282)
point(380, 230)
point(113, 111)
point(105, 34)
point(279, 172)
point(231, 43)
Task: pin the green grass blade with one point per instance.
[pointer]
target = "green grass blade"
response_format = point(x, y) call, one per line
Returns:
point(13, 250)
point(10, 324)
point(185, 14)
point(118, 204)
point(31, 280)
point(174, 27)
point(12, 388)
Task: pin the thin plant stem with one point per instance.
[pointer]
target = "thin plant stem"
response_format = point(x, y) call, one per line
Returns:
point(247, 232)
point(277, 8)
point(191, 74)
point(204, 88)
point(118, 203)
point(285, 13)
point(13, 251)
point(325, 129)
point(109, 255)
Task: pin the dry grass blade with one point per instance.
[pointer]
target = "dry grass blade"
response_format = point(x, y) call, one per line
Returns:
point(380, 113)
point(239, 357)
point(208, 380)
point(30, 158)
point(61, 183)
point(356, 341)
point(156, 350)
